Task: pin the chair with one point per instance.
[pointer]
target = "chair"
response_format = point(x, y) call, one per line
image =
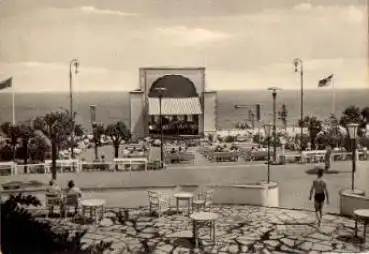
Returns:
point(70, 200)
point(52, 200)
point(158, 202)
point(203, 200)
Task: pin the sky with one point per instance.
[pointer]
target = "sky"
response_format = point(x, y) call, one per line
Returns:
point(243, 44)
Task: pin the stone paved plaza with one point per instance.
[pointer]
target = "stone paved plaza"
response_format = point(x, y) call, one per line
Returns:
point(239, 229)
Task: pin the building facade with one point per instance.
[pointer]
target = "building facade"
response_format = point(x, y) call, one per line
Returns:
point(186, 106)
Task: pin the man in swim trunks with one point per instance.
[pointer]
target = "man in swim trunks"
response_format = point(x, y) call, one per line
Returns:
point(319, 188)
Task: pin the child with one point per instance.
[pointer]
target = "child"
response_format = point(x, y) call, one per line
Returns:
point(319, 188)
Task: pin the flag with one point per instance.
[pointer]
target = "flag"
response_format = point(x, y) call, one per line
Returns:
point(326, 81)
point(6, 83)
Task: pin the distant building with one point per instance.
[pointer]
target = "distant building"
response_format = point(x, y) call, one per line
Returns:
point(187, 107)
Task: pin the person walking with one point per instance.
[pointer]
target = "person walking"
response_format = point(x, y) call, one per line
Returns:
point(328, 157)
point(319, 188)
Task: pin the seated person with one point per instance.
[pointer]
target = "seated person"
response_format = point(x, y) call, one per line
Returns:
point(53, 188)
point(53, 196)
point(72, 189)
point(71, 198)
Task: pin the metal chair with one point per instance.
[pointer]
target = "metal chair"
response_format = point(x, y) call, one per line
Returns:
point(158, 202)
point(52, 200)
point(204, 200)
point(70, 200)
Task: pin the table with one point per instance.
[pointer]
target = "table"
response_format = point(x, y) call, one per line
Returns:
point(93, 205)
point(203, 218)
point(184, 196)
point(363, 215)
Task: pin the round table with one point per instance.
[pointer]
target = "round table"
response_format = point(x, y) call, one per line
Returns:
point(184, 196)
point(363, 215)
point(93, 205)
point(203, 218)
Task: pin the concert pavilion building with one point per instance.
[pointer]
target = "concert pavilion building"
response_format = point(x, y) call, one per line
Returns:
point(186, 107)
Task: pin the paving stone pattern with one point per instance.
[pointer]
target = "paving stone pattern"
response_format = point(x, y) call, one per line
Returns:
point(239, 229)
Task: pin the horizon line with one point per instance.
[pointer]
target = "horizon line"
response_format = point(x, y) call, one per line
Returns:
point(221, 90)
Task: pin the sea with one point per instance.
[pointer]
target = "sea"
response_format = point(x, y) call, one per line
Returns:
point(114, 106)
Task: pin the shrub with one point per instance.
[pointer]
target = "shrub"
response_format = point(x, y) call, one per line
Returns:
point(230, 139)
point(22, 233)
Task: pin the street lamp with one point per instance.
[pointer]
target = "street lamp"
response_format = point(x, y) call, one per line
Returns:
point(161, 90)
point(94, 129)
point(274, 94)
point(352, 131)
point(268, 128)
point(73, 63)
point(298, 62)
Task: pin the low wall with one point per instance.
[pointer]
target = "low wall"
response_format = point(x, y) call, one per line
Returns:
point(350, 201)
point(262, 194)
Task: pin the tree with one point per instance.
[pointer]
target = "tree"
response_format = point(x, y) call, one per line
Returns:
point(11, 132)
point(39, 146)
point(58, 127)
point(365, 115)
point(78, 130)
point(331, 135)
point(351, 114)
point(283, 115)
point(314, 126)
point(25, 134)
point(98, 131)
point(117, 132)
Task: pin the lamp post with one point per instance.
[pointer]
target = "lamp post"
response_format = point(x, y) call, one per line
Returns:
point(298, 62)
point(161, 90)
point(352, 131)
point(94, 129)
point(73, 63)
point(274, 94)
point(268, 128)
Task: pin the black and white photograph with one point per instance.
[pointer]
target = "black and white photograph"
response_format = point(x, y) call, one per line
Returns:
point(184, 126)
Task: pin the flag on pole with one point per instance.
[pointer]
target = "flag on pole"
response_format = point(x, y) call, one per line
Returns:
point(326, 81)
point(6, 83)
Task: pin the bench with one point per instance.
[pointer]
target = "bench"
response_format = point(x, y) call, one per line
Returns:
point(223, 156)
point(128, 163)
point(8, 167)
point(179, 157)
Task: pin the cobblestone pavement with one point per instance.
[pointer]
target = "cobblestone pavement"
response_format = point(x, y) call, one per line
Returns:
point(239, 229)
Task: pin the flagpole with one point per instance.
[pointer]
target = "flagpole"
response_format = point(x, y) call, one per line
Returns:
point(333, 98)
point(13, 105)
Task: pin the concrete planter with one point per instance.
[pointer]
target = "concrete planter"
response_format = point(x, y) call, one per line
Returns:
point(352, 200)
point(261, 193)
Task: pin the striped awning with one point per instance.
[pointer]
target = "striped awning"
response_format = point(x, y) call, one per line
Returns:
point(175, 106)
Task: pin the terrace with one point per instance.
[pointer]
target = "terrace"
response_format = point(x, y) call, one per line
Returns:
point(239, 229)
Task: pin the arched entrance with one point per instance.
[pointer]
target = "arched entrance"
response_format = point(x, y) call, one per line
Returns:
point(180, 106)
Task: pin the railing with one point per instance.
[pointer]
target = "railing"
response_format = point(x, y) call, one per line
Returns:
point(129, 163)
point(75, 166)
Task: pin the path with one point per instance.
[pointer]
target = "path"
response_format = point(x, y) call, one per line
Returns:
point(294, 183)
